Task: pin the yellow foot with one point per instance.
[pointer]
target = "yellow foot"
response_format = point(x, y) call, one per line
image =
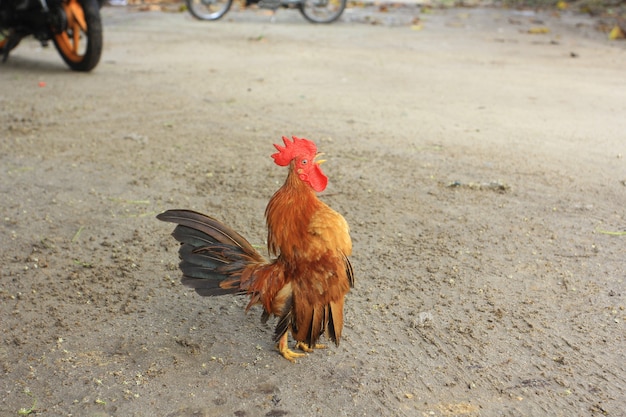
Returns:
point(289, 354)
point(284, 350)
point(305, 348)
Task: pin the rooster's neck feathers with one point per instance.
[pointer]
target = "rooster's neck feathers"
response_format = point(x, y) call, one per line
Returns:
point(288, 214)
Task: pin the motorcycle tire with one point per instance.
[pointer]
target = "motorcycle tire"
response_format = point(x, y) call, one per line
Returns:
point(80, 42)
point(208, 9)
point(4, 43)
point(322, 11)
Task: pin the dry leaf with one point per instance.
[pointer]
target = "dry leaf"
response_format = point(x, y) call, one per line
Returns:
point(616, 33)
point(538, 30)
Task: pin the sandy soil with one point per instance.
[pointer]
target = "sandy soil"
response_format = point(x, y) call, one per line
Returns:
point(481, 168)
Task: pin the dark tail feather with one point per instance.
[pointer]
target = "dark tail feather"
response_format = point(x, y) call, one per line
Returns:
point(286, 318)
point(213, 229)
point(213, 256)
point(349, 271)
point(335, 320)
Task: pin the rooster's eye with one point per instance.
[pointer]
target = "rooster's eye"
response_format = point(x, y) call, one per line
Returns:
point(304, 162)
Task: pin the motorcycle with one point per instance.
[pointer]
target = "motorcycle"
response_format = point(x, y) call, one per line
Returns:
point(315, 11)
point(74, 26)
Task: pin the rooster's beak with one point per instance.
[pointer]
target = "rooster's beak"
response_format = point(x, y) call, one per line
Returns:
point(321, 161)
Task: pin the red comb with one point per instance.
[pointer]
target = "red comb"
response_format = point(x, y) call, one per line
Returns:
point(299, 146)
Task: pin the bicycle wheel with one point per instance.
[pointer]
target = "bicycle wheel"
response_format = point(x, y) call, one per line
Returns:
point(78, 36)
point(208, 9)
point(322, 11)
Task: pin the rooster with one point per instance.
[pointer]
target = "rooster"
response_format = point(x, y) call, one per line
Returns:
point(305, 283)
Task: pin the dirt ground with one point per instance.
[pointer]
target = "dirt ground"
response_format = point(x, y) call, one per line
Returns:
point(481, 168)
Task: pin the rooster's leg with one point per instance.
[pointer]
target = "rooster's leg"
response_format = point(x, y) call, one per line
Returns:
point(284, 350)
point(305, 348)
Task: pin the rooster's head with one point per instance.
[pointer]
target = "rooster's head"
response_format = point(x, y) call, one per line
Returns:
point(300, 154)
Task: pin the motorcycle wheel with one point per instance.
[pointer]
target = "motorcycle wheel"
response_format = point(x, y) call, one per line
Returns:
point(4, 43)
point(322, 11)
point(208, 9)
point(80, 42)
